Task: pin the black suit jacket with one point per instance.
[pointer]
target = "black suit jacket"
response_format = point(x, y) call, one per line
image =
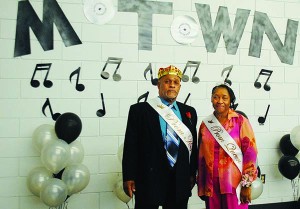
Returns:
point(144, 155)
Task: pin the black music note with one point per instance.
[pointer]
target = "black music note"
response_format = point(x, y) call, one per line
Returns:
point(112, 60)
point(47, 103)
point(261, 120)
point(143, 96)
point(153, 80)
point(267, 73)
point(187, 98)
point(39, 67)
point(190, 64)
point(229, 69)
point(79, 87)
point(101, 112)
point(235, 106)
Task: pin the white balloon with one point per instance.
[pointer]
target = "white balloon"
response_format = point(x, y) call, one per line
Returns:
point(54, 192)
point(36, 179)
point(77, 153)
point(120, 152)
point(42, 135)
point(119, 191)
point(295, 137)
point(256, 188)
point(76, 177)
point(56, 155)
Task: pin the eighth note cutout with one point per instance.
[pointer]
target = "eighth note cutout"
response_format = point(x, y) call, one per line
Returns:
point(47, 104)
point(112, 60)
point(268, 73)
point(41, 67)
point(79, 86)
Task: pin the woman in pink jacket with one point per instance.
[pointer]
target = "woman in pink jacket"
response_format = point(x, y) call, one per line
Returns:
point(227, 155)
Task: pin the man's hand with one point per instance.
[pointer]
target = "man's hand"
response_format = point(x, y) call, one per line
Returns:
point(129, 187)
point(245, 195)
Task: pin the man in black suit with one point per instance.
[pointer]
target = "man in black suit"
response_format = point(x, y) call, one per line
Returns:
point(156, 171)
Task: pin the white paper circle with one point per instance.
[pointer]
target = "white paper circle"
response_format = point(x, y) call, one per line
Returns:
point(184, 29)
point(99, 11)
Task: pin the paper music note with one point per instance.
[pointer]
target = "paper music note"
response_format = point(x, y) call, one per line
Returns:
point(101, 112)
point(195, 64)
point(261, 120)
point(112, 60)
point(229, 69)
point(144, 96)
point(47, 104)
point(153, 80)
point(79, 87)
point(258, 84)
point(40, 67)
point(187, 98)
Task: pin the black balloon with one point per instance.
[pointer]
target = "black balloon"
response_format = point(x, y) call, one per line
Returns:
point(68, 127)
point(286, 146)
point(289, 166)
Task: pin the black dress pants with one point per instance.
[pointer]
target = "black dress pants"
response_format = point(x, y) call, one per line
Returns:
point(171, 202)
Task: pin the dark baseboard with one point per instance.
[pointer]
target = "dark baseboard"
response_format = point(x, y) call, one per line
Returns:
point(281, 205)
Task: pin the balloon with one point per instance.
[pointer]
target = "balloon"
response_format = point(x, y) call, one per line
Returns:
point(289, 166)
point(77, 153)
point(42, 135)
point(68, 127)
point(256, 188)
point(286, 146)
point(295, 137)
point(120, 152)
point(55, 156)
point(76, 177)
point(242, 113)
point(36, 178)
point(54, 192)
point(120, 192)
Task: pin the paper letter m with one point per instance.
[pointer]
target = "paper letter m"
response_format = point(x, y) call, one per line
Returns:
point(43, 30)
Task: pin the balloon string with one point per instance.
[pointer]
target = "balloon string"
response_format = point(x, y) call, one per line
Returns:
point(295, 186)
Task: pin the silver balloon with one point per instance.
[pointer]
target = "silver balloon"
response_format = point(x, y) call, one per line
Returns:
point(120, 152)
point(256, 188)
point(54, 192)
point(36, 179)
point(56, 155)
point(119, 191)
point(295, 137)
point(77, 153)
point(76, 177)
point(42, 135)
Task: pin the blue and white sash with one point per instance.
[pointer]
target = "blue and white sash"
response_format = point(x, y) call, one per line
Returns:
point(171, 118)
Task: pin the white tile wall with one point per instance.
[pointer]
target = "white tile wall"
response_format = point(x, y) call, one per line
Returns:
point(101, 137)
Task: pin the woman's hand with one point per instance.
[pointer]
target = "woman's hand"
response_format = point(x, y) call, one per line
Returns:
point(245, 195)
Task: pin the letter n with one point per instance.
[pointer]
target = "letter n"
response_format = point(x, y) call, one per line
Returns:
point(261, 25)
point(43, 30)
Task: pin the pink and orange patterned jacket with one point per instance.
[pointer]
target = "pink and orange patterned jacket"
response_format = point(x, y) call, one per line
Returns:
point(241, 131)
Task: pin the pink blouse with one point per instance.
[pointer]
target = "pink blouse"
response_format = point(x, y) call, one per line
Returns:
point(229, 175)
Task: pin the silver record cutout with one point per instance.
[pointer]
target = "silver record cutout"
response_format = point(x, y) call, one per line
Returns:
point(184, 29)
point(99, 11)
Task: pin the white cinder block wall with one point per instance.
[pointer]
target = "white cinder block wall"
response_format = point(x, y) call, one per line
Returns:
point(21, 104)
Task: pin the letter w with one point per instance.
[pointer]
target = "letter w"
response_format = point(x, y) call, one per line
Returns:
point(211, 35)
point(43, 30)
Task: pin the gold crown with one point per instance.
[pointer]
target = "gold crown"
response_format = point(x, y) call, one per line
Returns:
point(172, 70)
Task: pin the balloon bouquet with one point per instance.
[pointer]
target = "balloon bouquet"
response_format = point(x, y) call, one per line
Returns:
point(63, 173)
point(288, 164)
point(118, 188)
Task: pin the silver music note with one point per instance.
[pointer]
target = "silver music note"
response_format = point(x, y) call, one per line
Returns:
point(112, 60)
